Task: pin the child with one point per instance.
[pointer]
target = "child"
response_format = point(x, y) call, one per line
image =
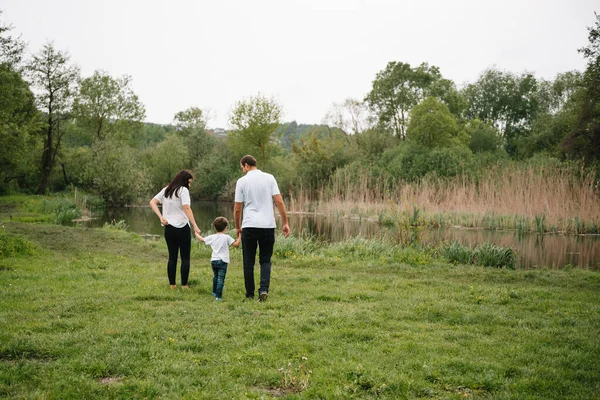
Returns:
point(219, 259)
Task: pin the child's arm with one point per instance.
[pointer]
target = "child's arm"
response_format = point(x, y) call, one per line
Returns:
point(199, 237)
point(237, 241)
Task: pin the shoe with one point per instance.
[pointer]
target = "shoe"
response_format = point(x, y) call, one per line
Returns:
point(263, 296)
point(218, 298)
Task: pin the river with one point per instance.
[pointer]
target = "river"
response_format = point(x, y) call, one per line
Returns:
point(534, 250)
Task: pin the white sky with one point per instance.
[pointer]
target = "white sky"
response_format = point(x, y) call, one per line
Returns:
point(306, 54)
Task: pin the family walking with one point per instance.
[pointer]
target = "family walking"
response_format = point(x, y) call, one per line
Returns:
point(254, 220)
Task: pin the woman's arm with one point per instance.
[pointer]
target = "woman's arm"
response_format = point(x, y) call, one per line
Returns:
point(188, 213)
point(154, 205)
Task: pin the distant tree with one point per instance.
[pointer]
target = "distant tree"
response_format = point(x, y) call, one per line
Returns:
point(165, 160)
point(433, 125)
point(509, 102)
point(190, 125)
point(396, 90)
point(484, 137)
point(11, 48)
point(54, 80)
point(351, 116)
point(253, 123)
point(584, 141)
point(108, 105)
point(19, 121)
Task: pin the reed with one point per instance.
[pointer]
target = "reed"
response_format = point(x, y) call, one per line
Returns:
point(524, 198)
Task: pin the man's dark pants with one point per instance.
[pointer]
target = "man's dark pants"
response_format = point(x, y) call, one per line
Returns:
point(264, 239)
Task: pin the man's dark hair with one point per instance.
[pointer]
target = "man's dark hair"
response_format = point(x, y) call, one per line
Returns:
point(220, 224)
point(248, 159)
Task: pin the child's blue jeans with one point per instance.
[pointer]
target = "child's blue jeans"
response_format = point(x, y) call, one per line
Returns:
point(219, 268)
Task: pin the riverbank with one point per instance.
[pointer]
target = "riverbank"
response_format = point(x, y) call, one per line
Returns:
point(87, 313)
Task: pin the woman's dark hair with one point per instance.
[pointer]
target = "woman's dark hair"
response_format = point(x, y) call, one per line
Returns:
point(181, 179)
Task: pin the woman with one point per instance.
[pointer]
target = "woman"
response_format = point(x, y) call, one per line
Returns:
point(176, 218)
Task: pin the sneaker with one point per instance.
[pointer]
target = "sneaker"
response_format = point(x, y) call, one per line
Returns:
point(218, 298)
point(263, 296)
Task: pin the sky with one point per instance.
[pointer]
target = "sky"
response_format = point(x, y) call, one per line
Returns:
point(305, 54)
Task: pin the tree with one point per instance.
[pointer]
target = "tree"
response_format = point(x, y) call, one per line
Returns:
point(397, 89)
point(584, 141)
point(19, 120)
point(351, 116)
point(190, 125)
point(509, 102)
point(254, 121)
point(54, 80)
point(11, 49)
point(108, 105)
point(432, 125)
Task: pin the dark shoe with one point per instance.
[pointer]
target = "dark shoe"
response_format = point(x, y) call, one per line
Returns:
point(263, 296)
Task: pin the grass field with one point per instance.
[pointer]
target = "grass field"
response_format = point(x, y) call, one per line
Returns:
point(87, 313)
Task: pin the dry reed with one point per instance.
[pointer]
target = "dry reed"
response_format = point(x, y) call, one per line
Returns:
point(557, 199)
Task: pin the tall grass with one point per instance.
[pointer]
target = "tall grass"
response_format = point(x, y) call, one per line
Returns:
point(529, 198)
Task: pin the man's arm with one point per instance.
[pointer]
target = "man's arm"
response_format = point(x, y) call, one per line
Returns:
point(237, 216)
point(283, 212)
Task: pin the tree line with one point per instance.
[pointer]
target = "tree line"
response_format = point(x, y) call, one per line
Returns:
point(61, 129)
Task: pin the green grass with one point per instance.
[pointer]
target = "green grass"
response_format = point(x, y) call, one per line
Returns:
point(89, 314)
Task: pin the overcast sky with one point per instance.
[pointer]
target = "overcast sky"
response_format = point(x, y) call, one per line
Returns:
point(306, 54)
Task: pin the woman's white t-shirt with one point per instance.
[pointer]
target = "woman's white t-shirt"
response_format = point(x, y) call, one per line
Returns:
point(172, 209)
point(220, 243)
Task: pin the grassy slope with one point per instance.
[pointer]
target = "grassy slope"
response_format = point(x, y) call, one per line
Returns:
point(90, 315)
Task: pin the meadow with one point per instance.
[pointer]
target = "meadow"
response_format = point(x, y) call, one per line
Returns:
point(87, 313)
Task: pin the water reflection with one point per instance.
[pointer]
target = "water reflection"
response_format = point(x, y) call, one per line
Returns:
point(551, 251)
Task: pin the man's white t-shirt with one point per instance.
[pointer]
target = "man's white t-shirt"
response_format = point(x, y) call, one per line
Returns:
point(220, 243)
point(172, 209)
point(256, 190)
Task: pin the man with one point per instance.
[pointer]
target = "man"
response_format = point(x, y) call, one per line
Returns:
point(254, 194)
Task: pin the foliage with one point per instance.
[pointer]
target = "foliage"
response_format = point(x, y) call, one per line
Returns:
point(508, 101)
point(108, 106)
point(13, 245)
point(486, 254)
point(254, 121)
point(584, 140)
point(11, 48)
point(164, 160)
point(432, 125)
point(117, 173)
point(54, 80)
point(318, 158)
point(190, 125)
point(19, 122)
point(351, 116)
point(211, 174)
point(484, 137)
point(396, 90)
point(120, 225)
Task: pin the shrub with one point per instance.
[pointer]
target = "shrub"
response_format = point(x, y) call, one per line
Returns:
point(11, 246)
point(491, 255)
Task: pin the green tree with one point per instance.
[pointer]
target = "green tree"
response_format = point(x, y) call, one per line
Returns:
point(351, 116)
point(190, 125)
point(164, 160)
point(319, 157)
point(11, 48)
point(396, 90)
point(584, 140)
point(108, 106)
point(433, 125)
point(54, 80)
point(254, 122)
point(484, 137)
point(19, 121)
point(117, 173)
point(509, 102)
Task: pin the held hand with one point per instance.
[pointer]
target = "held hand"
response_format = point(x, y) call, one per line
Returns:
point(286, 230)
point(239, 231)
point(197, 231)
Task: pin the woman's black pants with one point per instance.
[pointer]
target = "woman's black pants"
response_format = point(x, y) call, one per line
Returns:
point(179, 240)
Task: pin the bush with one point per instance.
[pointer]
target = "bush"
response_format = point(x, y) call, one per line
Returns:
point(490, 255)
point(455, 253)
point(11, 246)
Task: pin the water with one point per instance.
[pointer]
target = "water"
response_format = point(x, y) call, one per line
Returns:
point(550, 250)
